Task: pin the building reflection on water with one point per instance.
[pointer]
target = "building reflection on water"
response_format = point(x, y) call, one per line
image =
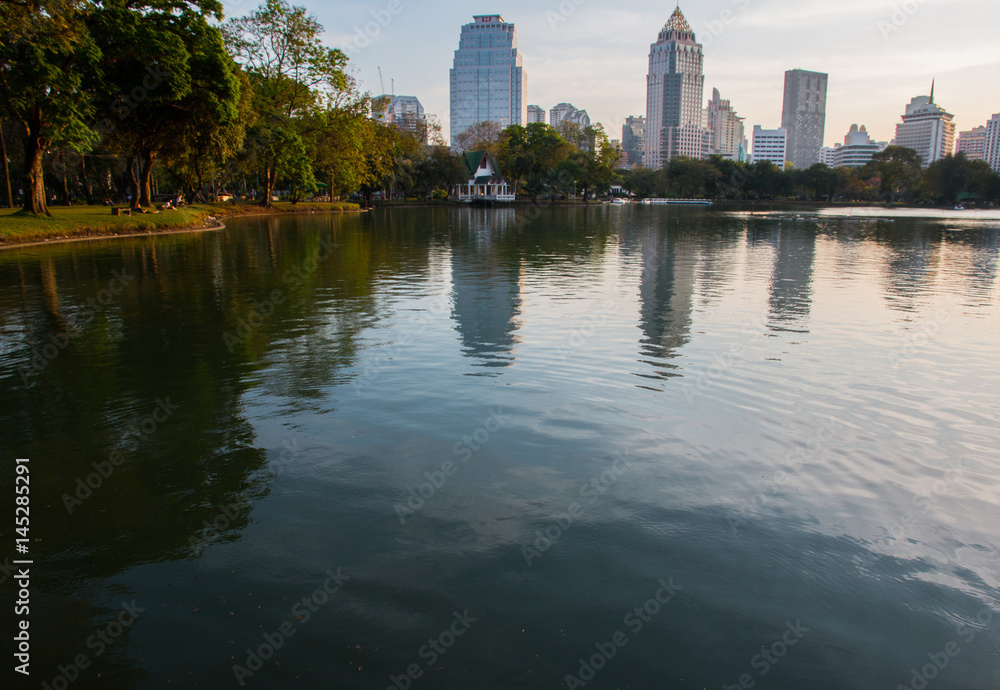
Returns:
point(791, 289)
point(486, 284)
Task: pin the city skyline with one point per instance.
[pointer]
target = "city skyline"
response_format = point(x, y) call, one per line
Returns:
point(599, 55)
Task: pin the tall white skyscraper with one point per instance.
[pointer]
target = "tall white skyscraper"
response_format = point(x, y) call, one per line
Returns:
point(927, 129)
point(674, 88)
point(488, 81)
point(803, 116)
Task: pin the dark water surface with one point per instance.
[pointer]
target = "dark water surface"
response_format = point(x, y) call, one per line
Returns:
point(690, 449)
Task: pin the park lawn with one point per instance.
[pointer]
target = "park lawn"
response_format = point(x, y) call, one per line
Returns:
point(90, 221)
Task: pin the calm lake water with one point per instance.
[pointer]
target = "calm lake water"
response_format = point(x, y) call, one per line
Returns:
point(594, 447)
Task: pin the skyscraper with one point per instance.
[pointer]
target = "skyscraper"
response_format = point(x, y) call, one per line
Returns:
point(536, 114)
point(406, 112)
point(991, 149)
point(927, 129)
point(566, 112)
point(803, 115)
point(674, 88)
point(488, 81)
point(634, 139)
point(728, 138)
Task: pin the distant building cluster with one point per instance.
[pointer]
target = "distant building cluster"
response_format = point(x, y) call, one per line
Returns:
point(405, 112)
point(489, 83)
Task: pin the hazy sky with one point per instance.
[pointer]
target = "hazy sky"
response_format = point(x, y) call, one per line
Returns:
point(594, 54)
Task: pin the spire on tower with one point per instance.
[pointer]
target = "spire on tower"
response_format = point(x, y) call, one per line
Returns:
point(932, 90)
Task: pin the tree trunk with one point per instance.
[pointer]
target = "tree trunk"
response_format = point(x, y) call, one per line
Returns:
point(133, 182)
point(269, 177)
point(67, 201)
point(34, 173)
point(146, 170)
point(84, 181)
point(6, 167)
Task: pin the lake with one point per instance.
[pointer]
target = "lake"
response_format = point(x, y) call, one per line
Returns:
point(606, 447)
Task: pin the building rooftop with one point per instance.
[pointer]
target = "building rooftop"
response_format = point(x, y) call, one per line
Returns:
point(677, 22)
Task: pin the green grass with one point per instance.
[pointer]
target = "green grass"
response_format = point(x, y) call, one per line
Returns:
point(90, 221)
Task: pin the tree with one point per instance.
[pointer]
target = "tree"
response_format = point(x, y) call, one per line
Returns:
point(482, 136)
point(898, 168)
point(640, 181)
point(45, 51)
point(292, 75)
point(171, 84)
point(690, 178)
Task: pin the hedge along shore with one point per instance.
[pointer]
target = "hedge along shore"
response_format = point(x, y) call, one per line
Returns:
point(76, 223)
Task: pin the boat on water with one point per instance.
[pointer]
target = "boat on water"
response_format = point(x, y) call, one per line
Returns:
point(960, 208)
point(678, 202)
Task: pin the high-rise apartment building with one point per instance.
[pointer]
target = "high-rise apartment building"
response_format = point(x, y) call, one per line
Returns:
point(406, 112)
point(770, 145)
point(536, 114)
point(972, 144)
point(991, 149)
point(803, 115)
point(674, 88)
point(927, 129)
point(566, 112)
point(727, 135)
point(488, 81)
point(634, 139)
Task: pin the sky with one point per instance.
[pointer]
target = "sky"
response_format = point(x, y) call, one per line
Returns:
point(594, 54)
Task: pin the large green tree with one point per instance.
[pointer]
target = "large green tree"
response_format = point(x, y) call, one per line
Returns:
point(45, 51)
point(293, 76)
point(167, 80)
point(898, 168)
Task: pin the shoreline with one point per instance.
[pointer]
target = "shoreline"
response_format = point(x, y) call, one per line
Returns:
point(208, 222)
